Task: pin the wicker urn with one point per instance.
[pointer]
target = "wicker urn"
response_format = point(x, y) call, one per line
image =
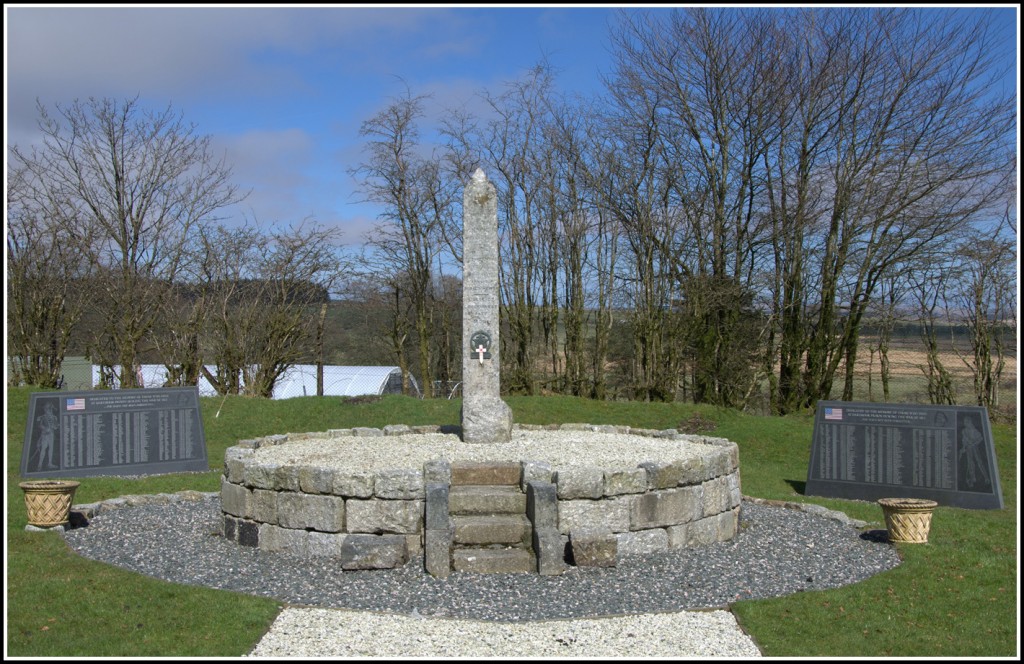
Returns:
point(48, 501)
point(908, 519)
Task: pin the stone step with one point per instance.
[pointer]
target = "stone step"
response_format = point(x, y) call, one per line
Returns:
point(493, 561)
point(486, 472)
point(510, 529)
point(494, 499)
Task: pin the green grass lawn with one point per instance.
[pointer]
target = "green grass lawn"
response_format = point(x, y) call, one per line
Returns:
point(955, 596)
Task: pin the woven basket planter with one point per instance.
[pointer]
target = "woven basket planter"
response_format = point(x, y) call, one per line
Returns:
point(908, 519)
point(48, 501)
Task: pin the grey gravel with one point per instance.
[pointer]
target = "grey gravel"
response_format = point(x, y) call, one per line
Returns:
point(777, 551)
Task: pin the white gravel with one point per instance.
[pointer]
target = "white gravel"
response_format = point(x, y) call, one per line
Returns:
point(559, 448)
point(316, 632)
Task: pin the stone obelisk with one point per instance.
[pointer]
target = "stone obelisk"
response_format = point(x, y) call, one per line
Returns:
point(485, 417)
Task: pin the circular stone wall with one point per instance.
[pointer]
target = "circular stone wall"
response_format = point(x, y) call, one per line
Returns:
point(378, 498)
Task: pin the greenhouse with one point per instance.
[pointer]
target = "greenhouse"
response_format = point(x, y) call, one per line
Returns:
point(300, 380)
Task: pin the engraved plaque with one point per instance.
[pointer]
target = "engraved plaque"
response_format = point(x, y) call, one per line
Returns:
point(867, 451)
point(114, 432)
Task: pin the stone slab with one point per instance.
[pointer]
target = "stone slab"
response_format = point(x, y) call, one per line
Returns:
point(373, 552)
point(867, 451)
point(495, 499)
point(493, 561)
point(594, 546)
point(100, 432)
point(486, 472)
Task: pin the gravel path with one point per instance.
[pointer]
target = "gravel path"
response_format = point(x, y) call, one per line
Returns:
point(649, 604)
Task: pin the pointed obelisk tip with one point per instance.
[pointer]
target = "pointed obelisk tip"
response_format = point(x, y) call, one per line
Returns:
point(479, 175)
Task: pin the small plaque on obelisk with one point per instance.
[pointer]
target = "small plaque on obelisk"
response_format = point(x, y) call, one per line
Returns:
point(485, 417)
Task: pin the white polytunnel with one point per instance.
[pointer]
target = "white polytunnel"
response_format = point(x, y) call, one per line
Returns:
point(300, 380)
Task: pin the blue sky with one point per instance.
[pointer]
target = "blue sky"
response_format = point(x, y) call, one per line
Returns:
point(283, 90)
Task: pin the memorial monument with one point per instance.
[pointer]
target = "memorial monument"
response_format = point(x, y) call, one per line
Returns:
point(485, 417)
point(502, 498)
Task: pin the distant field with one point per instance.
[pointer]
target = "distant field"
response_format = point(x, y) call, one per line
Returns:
point(907, 361)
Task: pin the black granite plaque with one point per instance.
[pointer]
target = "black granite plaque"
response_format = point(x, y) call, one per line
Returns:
point(114, 432)
point(867, 451)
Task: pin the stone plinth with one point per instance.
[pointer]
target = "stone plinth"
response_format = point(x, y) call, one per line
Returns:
point(381, 517)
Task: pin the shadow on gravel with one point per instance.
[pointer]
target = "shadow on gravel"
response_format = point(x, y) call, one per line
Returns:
point(876, 536)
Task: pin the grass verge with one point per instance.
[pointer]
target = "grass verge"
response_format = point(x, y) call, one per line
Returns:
point(954, 596)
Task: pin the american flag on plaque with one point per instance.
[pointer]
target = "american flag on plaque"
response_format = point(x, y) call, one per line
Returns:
point(833, 413)
point(76, 404)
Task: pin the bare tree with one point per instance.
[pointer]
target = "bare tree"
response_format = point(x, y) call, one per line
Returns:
point(140, 181)
point(929, 291)
point(985, 297)
point(48, 278)
point(418, 204)
point(266, 292)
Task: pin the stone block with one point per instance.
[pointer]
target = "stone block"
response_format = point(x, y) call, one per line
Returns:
point(373, 552)
point(594, 546)
point(316, 479)
point(248, 532)
point(397, 429)
point(717, 496)
point(735, 493)
point(662, 475)
point(273, 439)
point(485, 418)
point(324, 544)
point(640, 542)
point(625, 481)
point(229, 528)
point(234, 499)
point(668, 507)
point(612, 512)
point(367, 432)
point(696, 533)
point(301, 511)
point(384, 516)
point(691, 470)
point(493, 561)
point(261, 475)
point(492, 529)
point(718, 462)
point(263, 506)
point(728, 524)
point(283, 540)
point(542, 505)
point(414, 545)
point(353, 484)
point(235, 459)
point(549, 551)
point(486, 472)
point(437, 551)
point(495, 499)
point(580, 482)
point(437, 470)
point(436, 506)
point(535, 471)
point(405, 484)
point(287, 478)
